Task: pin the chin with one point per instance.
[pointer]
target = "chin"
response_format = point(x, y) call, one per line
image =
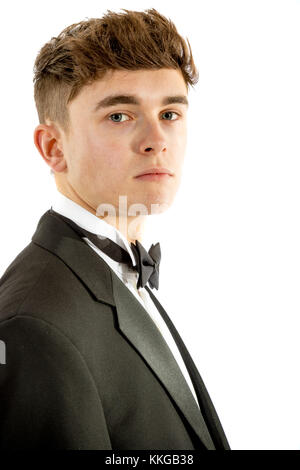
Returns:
point(150, 202)
point(158, 207)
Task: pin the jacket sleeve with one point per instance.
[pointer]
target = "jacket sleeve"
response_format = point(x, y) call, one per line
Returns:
point(48, 398)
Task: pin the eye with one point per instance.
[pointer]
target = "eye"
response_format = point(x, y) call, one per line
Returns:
point(169, 113)
point(118, 115)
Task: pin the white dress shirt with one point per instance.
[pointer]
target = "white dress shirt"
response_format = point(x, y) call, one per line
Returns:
point(129, 276)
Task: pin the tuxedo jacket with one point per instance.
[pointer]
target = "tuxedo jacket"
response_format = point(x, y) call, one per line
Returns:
point(86, 367)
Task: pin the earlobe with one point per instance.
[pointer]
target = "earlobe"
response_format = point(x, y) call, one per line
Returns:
point(58, 164)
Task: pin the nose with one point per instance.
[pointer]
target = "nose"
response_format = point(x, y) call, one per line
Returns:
point(152, 140)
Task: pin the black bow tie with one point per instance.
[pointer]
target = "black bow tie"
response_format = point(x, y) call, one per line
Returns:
point(147, 262)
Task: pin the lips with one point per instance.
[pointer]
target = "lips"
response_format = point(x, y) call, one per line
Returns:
point(156, 171)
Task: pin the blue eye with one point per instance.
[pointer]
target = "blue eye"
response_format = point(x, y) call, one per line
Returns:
point(111, 116)
point(170, 112)
point(117, 114)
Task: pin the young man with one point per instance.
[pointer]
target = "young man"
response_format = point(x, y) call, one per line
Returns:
point(92, 359)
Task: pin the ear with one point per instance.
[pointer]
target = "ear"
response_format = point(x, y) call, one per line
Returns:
point(47, 141)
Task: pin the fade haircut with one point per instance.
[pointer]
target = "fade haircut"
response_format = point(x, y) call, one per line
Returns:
point(83, 52)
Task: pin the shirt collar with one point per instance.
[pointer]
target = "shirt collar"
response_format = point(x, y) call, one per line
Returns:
point(85, 219)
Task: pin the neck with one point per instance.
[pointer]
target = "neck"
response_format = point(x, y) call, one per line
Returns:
point(131, 227)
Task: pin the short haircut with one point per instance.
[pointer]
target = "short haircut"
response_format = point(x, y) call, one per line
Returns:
point(83, 52)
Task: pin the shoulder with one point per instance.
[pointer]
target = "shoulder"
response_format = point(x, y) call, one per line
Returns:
point(20, 277)
point(42, 293)
point(39, 282)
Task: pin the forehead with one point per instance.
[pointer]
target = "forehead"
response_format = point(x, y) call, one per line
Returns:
point(149, 85)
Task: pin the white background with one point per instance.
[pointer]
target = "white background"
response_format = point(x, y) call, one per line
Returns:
point(230, 267)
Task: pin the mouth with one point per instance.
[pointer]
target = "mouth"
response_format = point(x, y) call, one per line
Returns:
point(154, 177)
point(155, 172)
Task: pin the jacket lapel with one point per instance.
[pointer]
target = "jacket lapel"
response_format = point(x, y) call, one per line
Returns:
point(141, 331)
point(134, 321)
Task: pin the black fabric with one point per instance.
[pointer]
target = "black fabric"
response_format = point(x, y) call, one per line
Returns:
point(109, 247)
point(86, 367)
point(147, 263)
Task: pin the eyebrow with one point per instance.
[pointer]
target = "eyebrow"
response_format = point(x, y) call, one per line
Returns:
point(113, 100)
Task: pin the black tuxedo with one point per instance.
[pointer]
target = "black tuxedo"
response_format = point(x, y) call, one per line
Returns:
point(86, 367)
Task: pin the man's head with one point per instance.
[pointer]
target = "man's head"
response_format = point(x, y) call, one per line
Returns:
point(96, 148)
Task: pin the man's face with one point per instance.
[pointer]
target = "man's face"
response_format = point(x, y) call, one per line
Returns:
point(108, 146)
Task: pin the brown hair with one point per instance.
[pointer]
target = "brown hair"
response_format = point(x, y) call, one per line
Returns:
point(83, 52)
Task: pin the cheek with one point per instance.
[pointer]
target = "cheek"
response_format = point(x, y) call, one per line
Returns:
point(178, 136)
point(104, 154)
point(179, 147)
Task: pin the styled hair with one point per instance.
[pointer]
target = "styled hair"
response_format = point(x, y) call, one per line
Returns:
point(83, 52)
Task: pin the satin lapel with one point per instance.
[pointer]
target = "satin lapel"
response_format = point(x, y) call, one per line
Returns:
point(141, 331)
point(134, 321)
